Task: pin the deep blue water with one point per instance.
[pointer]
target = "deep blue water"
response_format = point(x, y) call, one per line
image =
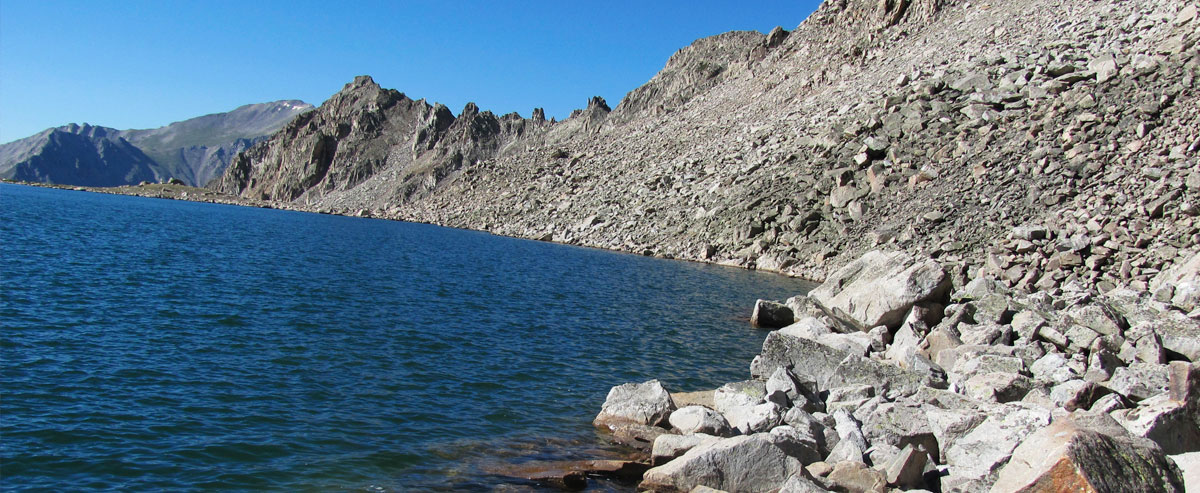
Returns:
point(158, 345)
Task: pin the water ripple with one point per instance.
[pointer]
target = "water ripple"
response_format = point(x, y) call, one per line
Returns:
point(158, 345)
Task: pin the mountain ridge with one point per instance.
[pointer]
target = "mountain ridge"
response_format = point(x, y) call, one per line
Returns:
point(193, 151)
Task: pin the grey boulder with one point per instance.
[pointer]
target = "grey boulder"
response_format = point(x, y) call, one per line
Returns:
point(699, 419)
point(1075, 454)
point(771, 315)
point(880, 287)
point(750, 463)
point(645, 403)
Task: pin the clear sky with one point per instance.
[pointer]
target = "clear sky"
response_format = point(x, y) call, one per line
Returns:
point(144, 64)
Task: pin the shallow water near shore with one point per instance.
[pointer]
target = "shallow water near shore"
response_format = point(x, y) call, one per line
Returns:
point(152, 344)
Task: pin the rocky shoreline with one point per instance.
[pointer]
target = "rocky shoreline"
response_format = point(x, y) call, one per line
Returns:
point(1001, 198)
point(887, 377)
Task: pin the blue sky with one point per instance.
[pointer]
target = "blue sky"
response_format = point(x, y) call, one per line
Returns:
point(144, 64)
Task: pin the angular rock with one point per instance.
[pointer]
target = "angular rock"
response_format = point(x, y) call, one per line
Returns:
point(1185, 278)
point(977, 456)
point(849, 396)
point(831, 367)
point(997, 386)
point(1189, 466)
point(745, 408)
point(751, 463)
point(880, 288)
point(1072, 456)
point(1139, 380)
point(771, 315)
point(645, 403)
point(801, 484)
point(699, 419)
point(1108, 404)
point(1179, 333)
point(851, 445)
point(900, 424)
point(800, 443)
point(908, 468)
point(940, 339)
point(1026, 323)
point(948, 426)
point(755, 419)
point(1170, 424)
point(807, 424)
point(739, 394)
point(1183, 383)
point(858, 343)
point(1075, 394)
point(1054, 368)
point(1105, 67)
point(807, 326)
point(905, 343)
point(1100, 318)
point(856, 476)
point(782, 380)
point(668, 446)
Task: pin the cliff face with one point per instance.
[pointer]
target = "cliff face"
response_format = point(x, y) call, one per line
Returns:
point(194, 151)
point(375, 142)
point(935, 126)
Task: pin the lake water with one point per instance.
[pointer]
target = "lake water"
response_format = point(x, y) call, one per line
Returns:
point(150, 344)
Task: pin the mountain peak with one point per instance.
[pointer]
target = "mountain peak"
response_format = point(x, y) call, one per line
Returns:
point(193, 150)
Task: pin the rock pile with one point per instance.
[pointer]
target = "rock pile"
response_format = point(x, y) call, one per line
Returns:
point(979, 389)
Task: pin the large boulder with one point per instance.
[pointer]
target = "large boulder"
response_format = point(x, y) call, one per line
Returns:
point(1189, 465)
point(831, 367)
point(745, 407)
point(1139, 381)
point(856, 476)
point(771, 315)
point(647, 404)
point(669, 446)
point(900, 424)
point(1088, 453)
point(948, 426)
point(880, 287)
point(801, 484)
point(1179, 334)
point(1169, 423)
point(802, 443)
point(750, 463)
point(699, 419)
point(977, 456)
point(1181, 284)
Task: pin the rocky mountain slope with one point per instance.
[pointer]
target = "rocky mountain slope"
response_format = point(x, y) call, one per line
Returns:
point(933, 126)
point(194, 151)
point(374, 141)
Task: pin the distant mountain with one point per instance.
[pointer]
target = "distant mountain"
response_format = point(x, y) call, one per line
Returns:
point(77, 155)
point(195, 151)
